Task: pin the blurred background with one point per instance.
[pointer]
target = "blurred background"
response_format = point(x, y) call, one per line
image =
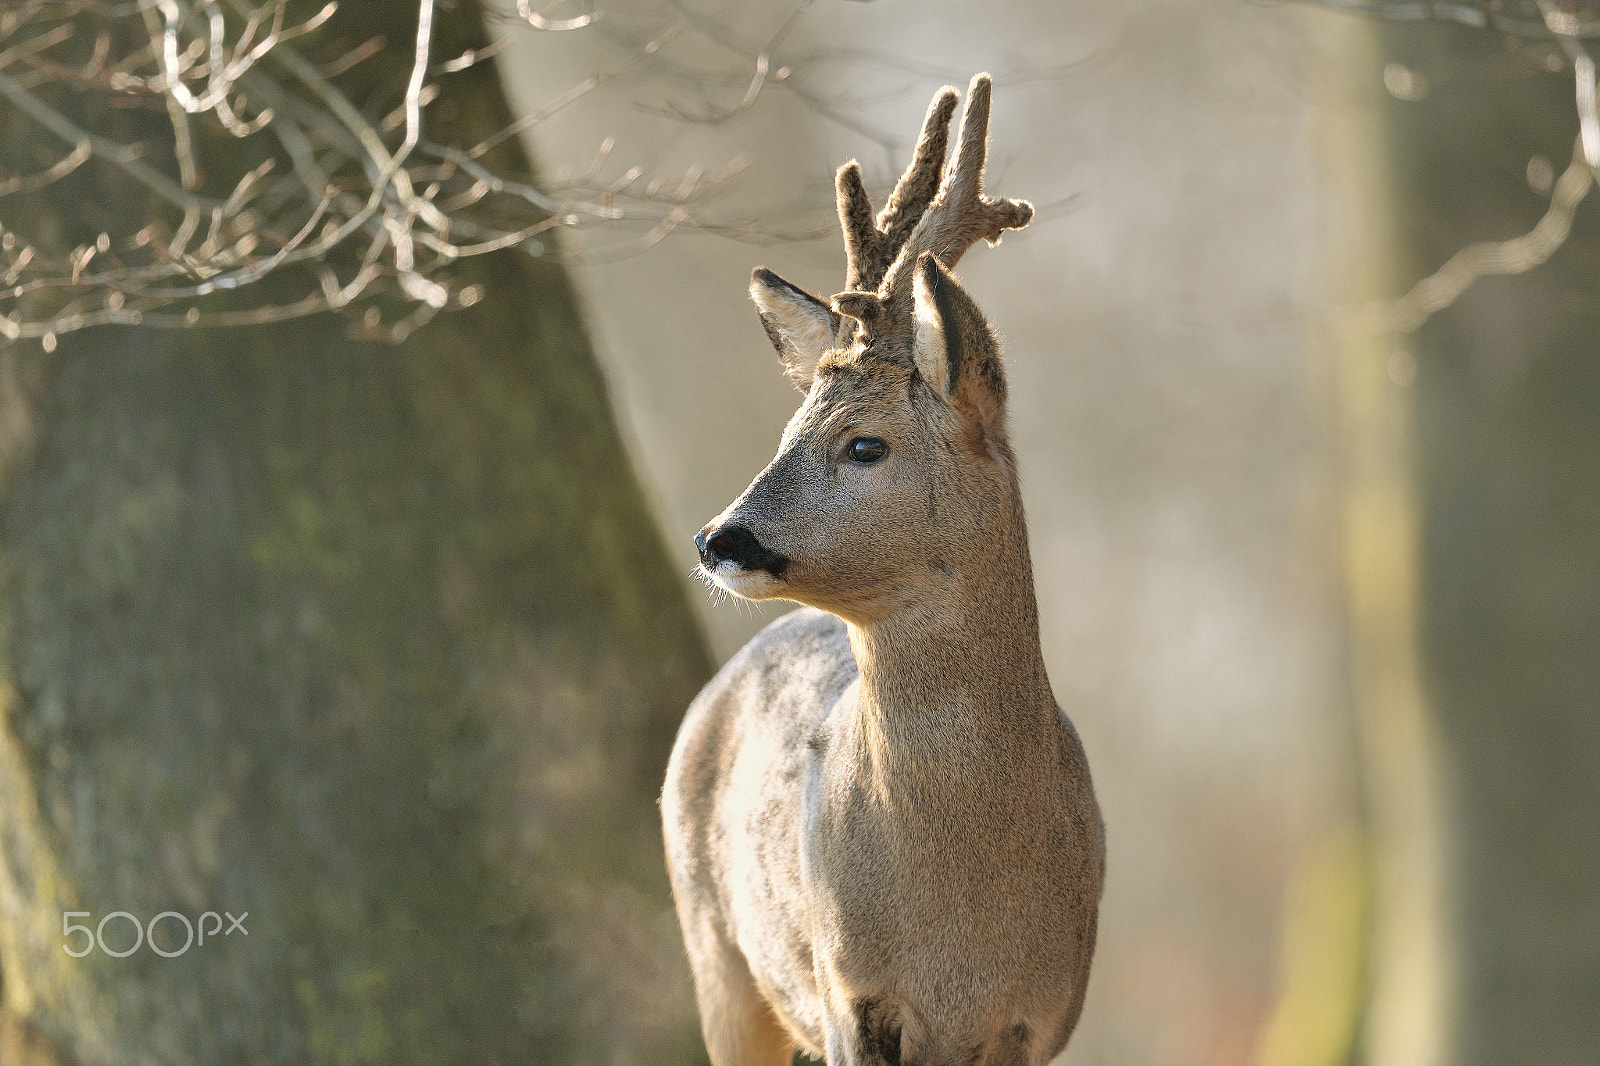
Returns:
point(361, 390)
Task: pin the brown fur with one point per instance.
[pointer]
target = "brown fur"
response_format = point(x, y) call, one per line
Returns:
point(883, 840)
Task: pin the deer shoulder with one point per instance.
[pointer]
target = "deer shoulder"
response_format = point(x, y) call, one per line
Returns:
point(882, 836)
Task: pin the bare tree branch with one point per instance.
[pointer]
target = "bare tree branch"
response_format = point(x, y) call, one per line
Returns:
point(1568, 27)
point(1491, 15)
point(1441, 289)
point(349, 201)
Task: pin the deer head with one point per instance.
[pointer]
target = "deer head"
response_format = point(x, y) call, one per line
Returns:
point(894, 479)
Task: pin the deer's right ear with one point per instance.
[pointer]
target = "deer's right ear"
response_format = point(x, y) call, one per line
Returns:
point(800, 326)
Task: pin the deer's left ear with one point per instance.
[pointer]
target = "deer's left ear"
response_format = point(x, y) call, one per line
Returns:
point(800, 326)
point(955, 350)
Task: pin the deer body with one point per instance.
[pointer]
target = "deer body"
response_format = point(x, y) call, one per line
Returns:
point(882, 835)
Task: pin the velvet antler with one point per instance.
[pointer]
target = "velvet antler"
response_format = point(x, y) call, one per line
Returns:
point(883, 256)
point(871, 246)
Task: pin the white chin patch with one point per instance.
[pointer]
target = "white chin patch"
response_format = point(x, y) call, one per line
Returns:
point(750, 584)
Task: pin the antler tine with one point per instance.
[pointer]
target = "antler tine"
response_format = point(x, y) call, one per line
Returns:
point(864, 261)
point(871, 245)
point(961, 214)
point(920, 183)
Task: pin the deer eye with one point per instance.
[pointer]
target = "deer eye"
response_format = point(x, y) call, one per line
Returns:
point(866, 450)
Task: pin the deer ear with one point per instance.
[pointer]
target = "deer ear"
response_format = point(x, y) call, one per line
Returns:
point(800, 326)
point(955, 350)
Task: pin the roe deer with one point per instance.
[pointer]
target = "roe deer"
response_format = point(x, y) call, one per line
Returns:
point(883, 841)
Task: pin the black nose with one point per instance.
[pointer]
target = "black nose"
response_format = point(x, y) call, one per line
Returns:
point(737, 544)
point(717, 545)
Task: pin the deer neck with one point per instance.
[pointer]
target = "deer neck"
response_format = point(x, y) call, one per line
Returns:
point(964, 665)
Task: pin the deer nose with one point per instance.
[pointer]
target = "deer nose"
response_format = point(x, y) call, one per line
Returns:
point(717, 545)
point(736, 544)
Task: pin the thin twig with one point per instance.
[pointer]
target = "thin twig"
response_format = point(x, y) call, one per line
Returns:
point(124, 156)
point(1441, 289)
point(1477, 16)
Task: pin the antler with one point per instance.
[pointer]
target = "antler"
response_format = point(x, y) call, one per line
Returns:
point(870, 247)
point(957, 218)
point(961, 215)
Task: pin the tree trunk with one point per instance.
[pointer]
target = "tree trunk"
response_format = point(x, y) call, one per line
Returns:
point(376, 645)
point(1508, 444)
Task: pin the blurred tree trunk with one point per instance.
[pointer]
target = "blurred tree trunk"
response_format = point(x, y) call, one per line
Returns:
point(1507, 416)
point(1396, 1012)
point(375, 643)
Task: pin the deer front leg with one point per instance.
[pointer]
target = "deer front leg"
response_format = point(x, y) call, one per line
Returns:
point(738, 1025)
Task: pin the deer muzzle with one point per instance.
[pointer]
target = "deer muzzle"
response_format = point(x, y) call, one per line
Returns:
point(736, 545)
